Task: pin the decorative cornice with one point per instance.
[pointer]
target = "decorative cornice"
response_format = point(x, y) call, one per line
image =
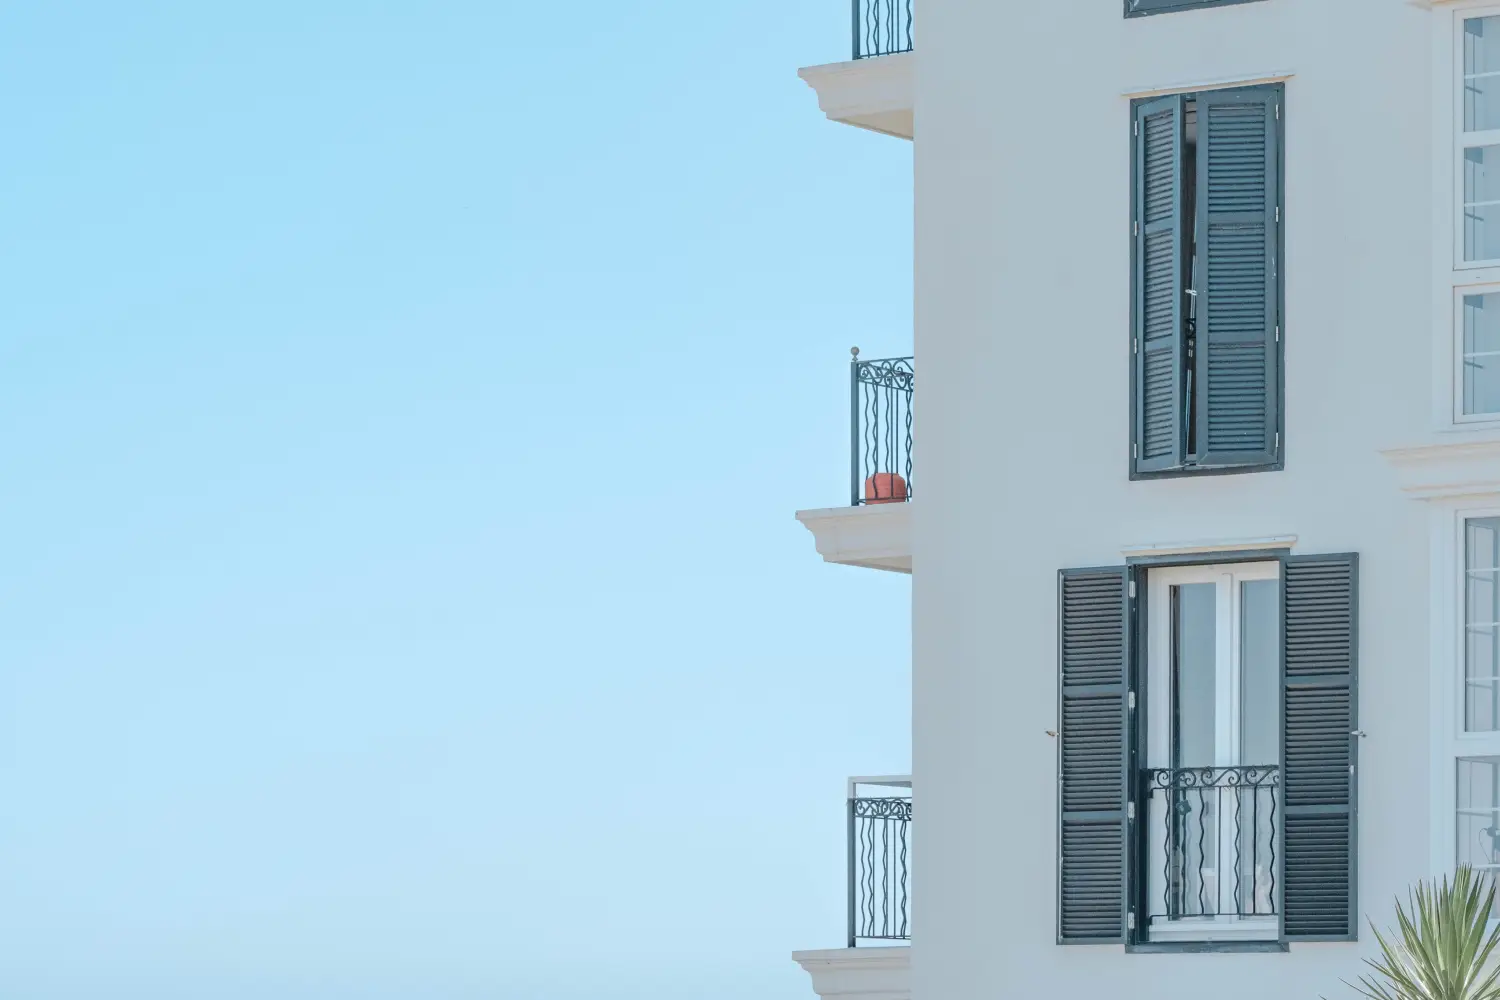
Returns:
point(1466, 467)
point(1207, 545)
point(877, 536)
point(859, 973)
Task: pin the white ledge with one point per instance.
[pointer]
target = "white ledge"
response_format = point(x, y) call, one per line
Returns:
point(1215, 83)
point(859, 973)
point(874, 93)
point(1447, 468)
point(876, 536)
point(1210, 545)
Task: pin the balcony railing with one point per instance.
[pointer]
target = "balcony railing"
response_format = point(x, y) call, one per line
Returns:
point(1213, 844)
point(881, 27)
point(880, 420)
point(879, 860)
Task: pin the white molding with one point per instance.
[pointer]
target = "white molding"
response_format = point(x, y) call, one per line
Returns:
point(876, 536)
point(859, 973)
point(1455, 468)
point(875, 93)
point(1216, 83)
point(1210, 545)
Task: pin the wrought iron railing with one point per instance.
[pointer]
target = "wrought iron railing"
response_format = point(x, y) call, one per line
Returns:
point(882, 27)
point(1213, 846)
point(880, 420)
point(879, 860)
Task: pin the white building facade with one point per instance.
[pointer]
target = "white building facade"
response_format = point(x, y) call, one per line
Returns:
point(1200, 493)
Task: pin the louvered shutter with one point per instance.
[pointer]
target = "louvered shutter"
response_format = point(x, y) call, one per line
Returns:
point(1320, 714)
point(1157, 334)
point(1236, 377)
point(1091, 756)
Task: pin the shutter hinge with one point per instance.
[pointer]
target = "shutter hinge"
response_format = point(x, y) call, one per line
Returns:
point(1278, 440)
point(1132, 701)
point(1135, 228)
point(1130, 811)
point(1278, 334)
point(1135, 127)
point(1135, 345)
point(1278, 112)
point(1130, 920)
point(1132, 597)
point(1278, 213)
point(1135, 450)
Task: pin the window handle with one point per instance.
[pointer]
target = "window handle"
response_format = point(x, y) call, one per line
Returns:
point(1360, 733)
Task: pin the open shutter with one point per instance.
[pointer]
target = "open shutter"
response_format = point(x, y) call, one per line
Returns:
point(1236, 375)
point(1091, 756)
point(1320, 715)
point(1157, 334)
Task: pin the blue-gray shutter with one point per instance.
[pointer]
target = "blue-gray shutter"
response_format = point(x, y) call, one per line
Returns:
point(1092, 780)
point(1157, 324)
point(1320, 713)
point(1236, 376)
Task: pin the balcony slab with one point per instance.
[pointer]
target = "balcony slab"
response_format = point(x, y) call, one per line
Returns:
point(874, 93)
point(876, 536)
point(859, 973)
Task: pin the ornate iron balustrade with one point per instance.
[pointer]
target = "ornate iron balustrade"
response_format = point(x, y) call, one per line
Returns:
point(882, 27)
point(1214, 844)
point(879, 861)
point(880, 430)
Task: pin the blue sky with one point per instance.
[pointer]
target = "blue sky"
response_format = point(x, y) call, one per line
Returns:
point(402, 409)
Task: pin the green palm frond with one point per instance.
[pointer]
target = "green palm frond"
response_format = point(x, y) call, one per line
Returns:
point(1440, 946)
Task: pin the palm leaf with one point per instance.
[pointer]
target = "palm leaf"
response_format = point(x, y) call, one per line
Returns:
point(1440, 946)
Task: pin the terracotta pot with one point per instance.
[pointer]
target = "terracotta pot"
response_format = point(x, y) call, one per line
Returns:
point(885, 487)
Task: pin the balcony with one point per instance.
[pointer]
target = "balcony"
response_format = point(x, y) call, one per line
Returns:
point(869, 92)
point(876, 962)
point(1212, 847)
point(874, 531)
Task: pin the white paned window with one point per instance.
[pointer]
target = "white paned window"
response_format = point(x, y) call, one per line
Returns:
point(1478, 819)
point(1480, 352)
point(1481, 653)
point(1479, 139)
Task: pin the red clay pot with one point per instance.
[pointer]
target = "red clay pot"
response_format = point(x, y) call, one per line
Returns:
point(885, 487)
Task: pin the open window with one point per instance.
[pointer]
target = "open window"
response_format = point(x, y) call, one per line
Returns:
point(1212, 780)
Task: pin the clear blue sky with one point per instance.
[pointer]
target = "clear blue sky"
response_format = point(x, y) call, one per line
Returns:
point(402, 411)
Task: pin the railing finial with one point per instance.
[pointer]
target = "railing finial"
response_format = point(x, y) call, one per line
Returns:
point(854, 351)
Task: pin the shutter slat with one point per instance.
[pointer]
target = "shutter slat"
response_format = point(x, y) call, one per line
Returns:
point(1319, 712)
point(1236, 365)
point(1091, 755)
point(1157, 324)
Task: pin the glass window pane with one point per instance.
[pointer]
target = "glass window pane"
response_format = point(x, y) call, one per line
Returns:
point(1194, 607)
point(1481, 625)
point(1479, 811)
point(1260, 671)
point(1481, 60)
point(1481, 353)
point(1482, 203)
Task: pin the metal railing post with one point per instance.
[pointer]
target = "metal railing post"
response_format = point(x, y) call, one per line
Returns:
point(854, 426)
point(854, 24)
point(852, 875)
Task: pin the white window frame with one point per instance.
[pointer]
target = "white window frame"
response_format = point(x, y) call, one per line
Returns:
point(1227, 578)
point(1450, 741)
point(1453, 277)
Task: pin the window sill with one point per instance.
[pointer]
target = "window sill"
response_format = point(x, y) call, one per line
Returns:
point(1264, 930)
point(1194, 471)
point(1204, 947)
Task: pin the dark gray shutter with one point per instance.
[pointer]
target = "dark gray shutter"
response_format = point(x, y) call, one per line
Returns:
point(1319, 716)
point(1156, 336)
point(1235, 371)
point(1091, 756)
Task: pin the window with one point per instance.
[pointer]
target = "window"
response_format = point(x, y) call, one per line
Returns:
point(1481, 652)
point(1206, 753)
point(1141, 8)
point(1479, 139)
point(1480, 354)
point(1206, 326)
point(1479, 813)
point(1214, 682)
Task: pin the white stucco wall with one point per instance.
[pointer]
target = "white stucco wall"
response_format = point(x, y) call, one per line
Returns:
point(1022, 250)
